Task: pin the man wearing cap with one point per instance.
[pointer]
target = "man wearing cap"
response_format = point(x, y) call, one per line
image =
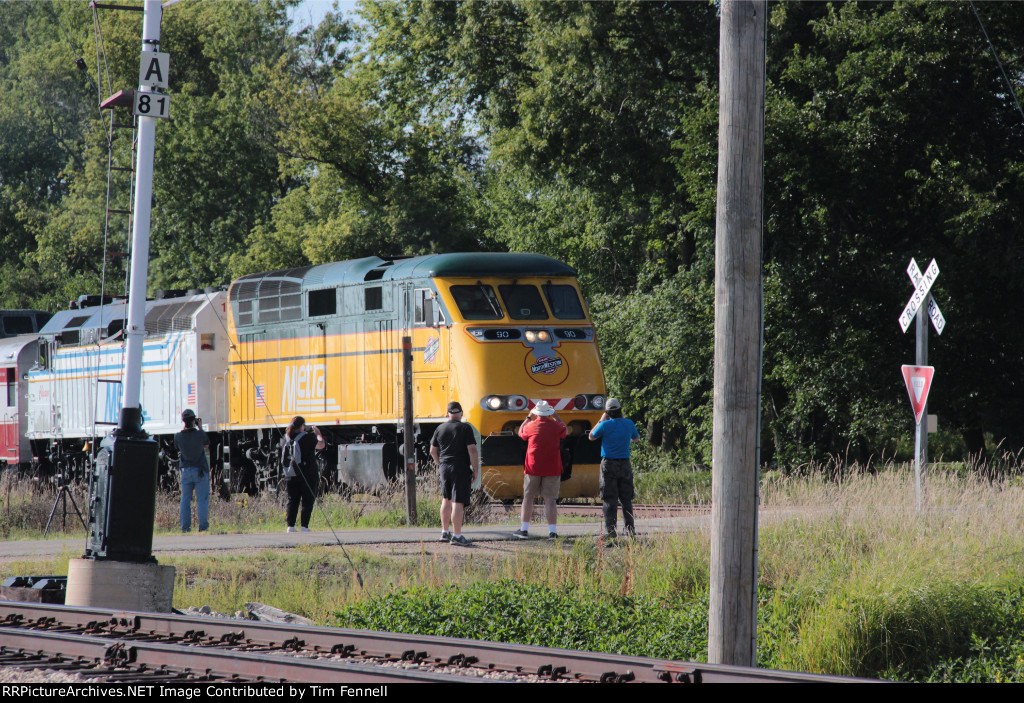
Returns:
point(453, 448)
point(543, 431)
point(192, 445)
point(615, 433)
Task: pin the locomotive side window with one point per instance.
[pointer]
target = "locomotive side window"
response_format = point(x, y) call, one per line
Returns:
point(322, 302)
point(426, 307)
point(373, 298)
point(10, 378)
point(523, 302)
point(564, 302)
point(477, 302)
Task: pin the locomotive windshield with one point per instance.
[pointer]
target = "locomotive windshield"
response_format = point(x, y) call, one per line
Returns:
point(564, 302)
point(477, 302)
point(523, 302)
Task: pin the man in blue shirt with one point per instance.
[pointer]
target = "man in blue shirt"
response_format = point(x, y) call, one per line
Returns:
point(615, 433)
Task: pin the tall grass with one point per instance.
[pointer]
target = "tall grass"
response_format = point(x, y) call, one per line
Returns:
point(869, 585)
point(853, 580)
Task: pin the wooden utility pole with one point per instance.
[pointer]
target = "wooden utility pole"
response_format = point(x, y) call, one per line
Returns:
point(732, 637)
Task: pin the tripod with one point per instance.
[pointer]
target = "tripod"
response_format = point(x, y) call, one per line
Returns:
point(63, 496)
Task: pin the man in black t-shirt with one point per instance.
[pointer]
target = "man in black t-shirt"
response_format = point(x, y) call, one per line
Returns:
point(453, 448)
point(192, 445)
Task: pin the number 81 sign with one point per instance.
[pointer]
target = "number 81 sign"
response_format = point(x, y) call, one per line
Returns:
point(152, 105)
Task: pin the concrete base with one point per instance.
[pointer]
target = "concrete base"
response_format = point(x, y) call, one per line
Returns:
point(120, 585)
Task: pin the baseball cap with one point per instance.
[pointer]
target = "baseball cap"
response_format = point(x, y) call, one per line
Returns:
point(454, 407)
point(613, 404)
point(188, 414)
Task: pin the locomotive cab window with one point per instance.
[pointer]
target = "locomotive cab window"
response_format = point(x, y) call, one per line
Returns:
point(564, 302)
point(426, 307)
point(523, 302)
point(477, 302)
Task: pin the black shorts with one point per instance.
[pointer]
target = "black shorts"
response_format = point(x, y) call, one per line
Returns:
point(456, 483)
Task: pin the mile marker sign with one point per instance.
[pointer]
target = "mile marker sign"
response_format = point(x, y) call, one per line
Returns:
point(919, 382)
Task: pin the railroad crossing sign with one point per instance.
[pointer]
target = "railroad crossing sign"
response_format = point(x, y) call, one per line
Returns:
point(922, 285)
point(919, 382)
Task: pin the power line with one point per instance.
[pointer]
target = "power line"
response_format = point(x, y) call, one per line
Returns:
point(992, 48)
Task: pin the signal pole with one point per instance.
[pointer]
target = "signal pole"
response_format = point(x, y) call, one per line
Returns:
point(732, 636)
point(118, 569)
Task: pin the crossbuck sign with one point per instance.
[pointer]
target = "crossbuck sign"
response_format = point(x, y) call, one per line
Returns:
point(922, 285)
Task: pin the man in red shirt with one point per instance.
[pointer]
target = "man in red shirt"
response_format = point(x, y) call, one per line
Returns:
point(543, 431)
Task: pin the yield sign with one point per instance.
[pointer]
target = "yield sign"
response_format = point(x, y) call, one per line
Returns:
point(919, 382)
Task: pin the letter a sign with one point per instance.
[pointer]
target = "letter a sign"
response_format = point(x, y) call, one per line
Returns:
point(153, 69)
point(919, 382)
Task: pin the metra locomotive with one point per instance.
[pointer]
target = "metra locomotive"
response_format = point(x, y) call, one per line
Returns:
point(498, 332)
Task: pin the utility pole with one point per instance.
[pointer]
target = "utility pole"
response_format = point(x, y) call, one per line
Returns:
point(732, 636)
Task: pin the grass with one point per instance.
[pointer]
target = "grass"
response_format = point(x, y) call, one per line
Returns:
point(853, 580)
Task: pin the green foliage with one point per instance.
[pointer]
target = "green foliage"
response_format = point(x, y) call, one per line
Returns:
point(507, 611)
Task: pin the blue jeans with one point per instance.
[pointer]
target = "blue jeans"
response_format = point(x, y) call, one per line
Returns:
point(191, 480)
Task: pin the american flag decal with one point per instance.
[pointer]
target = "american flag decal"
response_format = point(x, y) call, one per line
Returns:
point(191, 399)
point(261, 392)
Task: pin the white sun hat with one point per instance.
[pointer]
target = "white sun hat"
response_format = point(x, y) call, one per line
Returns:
point(542, 409)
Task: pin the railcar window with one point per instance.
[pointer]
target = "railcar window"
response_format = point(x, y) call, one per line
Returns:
point(278, 300)
point(322, 302)
point(564, 302)
point(523, 302)
point(374, 298)
point(17, 324)
point(11, 379)
point(477, 302)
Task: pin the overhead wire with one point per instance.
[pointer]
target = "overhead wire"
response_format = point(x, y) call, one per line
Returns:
point(995, 55)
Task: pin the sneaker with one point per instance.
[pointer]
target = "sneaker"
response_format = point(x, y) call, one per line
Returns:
point(306, 529)
point(521, 534)
point(292, 528)
point(460, 541)
point(552, 535)
point(610, 534)
point(446, 536)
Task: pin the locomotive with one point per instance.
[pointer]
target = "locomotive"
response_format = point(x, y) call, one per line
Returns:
point(497, 332)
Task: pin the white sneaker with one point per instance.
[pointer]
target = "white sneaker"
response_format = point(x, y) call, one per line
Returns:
point(306, 529)
point(293, 528)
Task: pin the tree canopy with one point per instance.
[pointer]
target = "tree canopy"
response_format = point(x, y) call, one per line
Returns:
point(586, 131)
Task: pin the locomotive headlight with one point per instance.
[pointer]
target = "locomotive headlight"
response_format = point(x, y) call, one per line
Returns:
point(537, 336)
point(493, 402)
point(531, 336)
point(597, 401)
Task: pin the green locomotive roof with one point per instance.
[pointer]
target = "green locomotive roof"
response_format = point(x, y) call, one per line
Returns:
point(463, 265)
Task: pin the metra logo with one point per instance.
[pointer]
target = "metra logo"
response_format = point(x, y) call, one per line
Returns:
point(305, 389)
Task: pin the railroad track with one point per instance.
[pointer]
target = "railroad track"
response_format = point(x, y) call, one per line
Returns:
point(148, 648)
